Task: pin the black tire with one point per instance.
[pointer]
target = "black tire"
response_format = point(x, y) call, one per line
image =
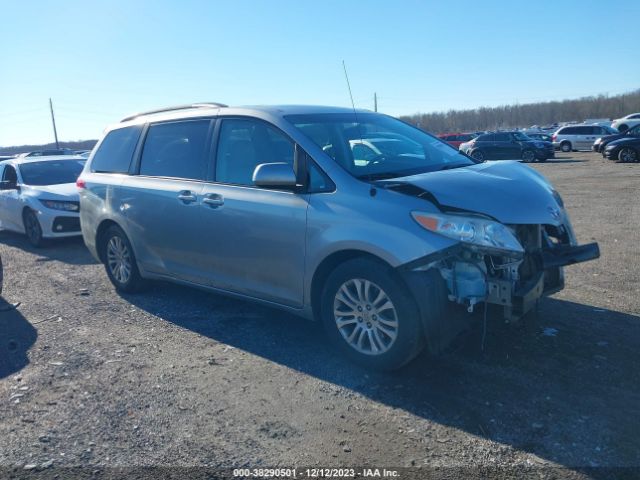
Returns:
point(623, 128)
point(566, 147)
point(542, 160)
point(409, 339)
point(628, 155)
point(32, 228)
point(528, 156)
point(130, 283)
point(478, 155)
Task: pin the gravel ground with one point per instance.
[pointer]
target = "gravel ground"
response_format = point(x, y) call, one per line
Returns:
point(183, 378)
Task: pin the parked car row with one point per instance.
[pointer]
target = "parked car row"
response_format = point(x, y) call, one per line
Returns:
point(375, 228)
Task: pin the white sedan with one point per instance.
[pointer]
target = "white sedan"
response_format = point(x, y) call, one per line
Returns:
point(39, 197)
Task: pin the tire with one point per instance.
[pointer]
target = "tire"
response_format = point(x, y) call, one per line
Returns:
point(627, 155)
point(478, 155)
point(566, 147)
point(542, 160)
point(623, 128)
point(528, 156)
point(32, 228)
point(120, 261)
point(380, 326)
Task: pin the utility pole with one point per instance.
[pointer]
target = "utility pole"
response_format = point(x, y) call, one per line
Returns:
point(375, 102)
point(53, 120)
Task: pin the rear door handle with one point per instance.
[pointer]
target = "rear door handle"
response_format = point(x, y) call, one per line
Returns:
point(214, 200)
point(187, 196)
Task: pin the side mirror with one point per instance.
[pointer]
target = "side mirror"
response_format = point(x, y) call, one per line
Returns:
point(275, 175)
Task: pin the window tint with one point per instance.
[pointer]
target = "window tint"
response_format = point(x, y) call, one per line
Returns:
point(502, 137)
point(569, 131)
point(464, 138)
point(244, 144)
point(176, 149)
point(486, 138)
point(115, 152)
point(635, 131)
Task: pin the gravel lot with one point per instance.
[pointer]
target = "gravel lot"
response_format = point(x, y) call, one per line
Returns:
point(180, 377)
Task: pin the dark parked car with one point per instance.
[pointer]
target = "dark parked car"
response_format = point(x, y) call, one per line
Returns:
point(624, 150)
point(508, 146)
point(540, 136)
point(601, 143)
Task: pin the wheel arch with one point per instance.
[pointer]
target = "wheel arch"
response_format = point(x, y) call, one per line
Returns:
point(100, 232)
point(327, 265)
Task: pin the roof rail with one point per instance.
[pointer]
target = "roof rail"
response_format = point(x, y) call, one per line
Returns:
point(177, 107)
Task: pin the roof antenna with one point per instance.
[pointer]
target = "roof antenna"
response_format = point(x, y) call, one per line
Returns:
point(373, 191)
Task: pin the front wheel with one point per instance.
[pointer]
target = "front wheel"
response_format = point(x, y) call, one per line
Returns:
point(32, 228)
point(120, 261)
point(478, 155)
point(370, 315)
point(565, 147)
point(627, 155)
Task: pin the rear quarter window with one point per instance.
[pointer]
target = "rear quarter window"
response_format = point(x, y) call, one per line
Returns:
point(116, 150)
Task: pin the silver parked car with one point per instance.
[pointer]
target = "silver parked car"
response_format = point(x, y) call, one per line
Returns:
point(383, 232)
point(579, 137)
point(38, 196)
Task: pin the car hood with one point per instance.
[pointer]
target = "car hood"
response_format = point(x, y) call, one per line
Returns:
point(67, 191)
point(506, 191)
point(621, 141)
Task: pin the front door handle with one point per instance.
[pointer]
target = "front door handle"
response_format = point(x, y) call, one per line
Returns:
point(187, 196)
point(214, 200)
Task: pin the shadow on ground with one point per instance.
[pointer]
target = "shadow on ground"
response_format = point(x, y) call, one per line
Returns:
point(567, 390)
point(17, 336)
point(68, 250)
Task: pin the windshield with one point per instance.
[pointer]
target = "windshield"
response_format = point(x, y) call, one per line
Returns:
point(51, 172)
point(521, 137)
point(376, 146)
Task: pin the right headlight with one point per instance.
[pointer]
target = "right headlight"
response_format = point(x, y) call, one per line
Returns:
point(474, 231)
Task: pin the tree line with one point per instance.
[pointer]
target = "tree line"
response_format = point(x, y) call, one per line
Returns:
point(79, 145)
point(526, 115)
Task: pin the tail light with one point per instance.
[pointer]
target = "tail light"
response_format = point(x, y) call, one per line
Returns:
point(80, 183)
point(554, 137)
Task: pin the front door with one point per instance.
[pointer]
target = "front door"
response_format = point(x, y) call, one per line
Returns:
point(10, 204)
point(252, 239)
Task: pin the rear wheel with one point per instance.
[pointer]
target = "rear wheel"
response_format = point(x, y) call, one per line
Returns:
point(627, 155)
point(32, 228)
point(623, 128)
point(120, 261)
point(528, 156)
point(565, 147)
point(370, 315)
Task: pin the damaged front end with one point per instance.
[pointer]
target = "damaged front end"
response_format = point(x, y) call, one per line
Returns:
point(507, 265)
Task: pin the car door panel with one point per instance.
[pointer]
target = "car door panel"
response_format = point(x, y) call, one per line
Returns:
point(252, 242)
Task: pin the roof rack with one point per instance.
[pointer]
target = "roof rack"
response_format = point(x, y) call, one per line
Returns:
point(177, 107)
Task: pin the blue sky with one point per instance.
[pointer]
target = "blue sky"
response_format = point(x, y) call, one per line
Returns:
point(100, 60)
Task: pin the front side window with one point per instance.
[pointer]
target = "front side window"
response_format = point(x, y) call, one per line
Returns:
point(9, 175)
point(635, 131)
point(398, 149)
point(116, 150)
point(521, 137)
point(51, 172)
point(176, 150)
point(502, 137)
point(246, 143)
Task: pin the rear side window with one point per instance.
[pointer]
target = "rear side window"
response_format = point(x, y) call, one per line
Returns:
point(485, 138)
point(569, 131)
point(502, 137)
point(176, 150)
point(116, 150)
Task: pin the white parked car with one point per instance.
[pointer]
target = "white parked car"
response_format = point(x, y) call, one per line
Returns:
point(39, 197)
point(625, 123)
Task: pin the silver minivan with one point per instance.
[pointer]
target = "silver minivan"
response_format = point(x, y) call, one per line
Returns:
point(386, 234)
point(579, 137)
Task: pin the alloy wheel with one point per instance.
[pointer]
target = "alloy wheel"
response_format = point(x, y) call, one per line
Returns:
point(528, 156)
point(365, 316)
point(119, 259)
point(628, 155)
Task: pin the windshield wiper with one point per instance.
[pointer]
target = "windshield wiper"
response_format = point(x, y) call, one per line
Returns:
point(371, 177)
